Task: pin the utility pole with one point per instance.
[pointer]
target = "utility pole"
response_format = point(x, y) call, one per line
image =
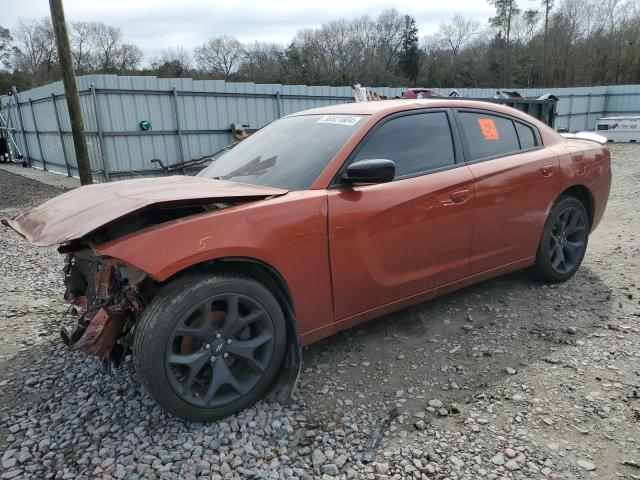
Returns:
point(71, 91)
point(547, 7)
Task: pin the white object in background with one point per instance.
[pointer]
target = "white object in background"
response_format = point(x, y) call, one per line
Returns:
point(360, 93)
point(620, 129)
point(594, 137)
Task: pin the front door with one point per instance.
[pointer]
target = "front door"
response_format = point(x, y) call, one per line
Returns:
point(395, 240)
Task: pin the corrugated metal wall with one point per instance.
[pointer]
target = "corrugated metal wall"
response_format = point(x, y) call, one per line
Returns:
point(191, 118)
point(579, 107)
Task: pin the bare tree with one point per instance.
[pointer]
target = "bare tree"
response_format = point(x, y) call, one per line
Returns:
point(111, 53)
point(172, 62)
point(340, 52)
point(389, 28)
point(81, 38)
point(431, 61)
point(452, 37)
point(220, 56)
point(98, 47)
point(457, 33)
point(126, 58)
point(34, 49)
point(566, 29)
point(175, 54)
point(106, 40)
point(264, 62)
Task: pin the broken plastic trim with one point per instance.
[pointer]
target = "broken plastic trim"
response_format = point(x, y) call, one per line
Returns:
point(108, 292)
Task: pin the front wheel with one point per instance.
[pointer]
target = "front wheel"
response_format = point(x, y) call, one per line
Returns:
point(564, 241)
point(209, 345)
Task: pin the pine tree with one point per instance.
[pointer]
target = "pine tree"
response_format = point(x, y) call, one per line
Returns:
point(409, 61)
point(506, 12)
point(547, 5)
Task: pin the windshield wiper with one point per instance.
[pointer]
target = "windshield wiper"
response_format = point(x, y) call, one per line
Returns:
point(193, 162)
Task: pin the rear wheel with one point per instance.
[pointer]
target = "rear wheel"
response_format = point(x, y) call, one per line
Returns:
point(564, 241)
point(208, 346)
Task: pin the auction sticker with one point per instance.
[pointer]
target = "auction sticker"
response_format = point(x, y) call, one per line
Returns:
point(349, 120)
point(488, 129)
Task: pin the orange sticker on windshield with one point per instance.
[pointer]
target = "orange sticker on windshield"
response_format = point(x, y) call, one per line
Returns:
point(489, 129)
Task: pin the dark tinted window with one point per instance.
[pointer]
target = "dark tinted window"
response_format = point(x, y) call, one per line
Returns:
point(416, 143)
point(488, 135)
point(289, 153)
point(526, 136)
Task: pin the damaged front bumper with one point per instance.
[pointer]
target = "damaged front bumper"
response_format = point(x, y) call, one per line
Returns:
point(107, 292)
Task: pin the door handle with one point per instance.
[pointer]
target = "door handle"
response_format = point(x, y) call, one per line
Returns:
point(547, 170)
point(460, 196)
point(456, 198)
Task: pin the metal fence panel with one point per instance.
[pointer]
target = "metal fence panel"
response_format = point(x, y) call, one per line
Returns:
point(191, 118)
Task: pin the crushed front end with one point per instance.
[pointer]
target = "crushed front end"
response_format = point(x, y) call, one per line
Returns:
point(109, 298)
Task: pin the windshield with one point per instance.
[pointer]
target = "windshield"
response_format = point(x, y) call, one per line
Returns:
point(289, 153)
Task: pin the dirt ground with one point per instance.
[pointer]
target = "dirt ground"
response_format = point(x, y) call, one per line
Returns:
point(505, 379)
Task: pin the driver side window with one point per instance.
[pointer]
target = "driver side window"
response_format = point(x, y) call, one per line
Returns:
point(416, 143)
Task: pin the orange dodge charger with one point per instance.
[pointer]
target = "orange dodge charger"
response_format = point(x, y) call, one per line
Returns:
point(317, 222)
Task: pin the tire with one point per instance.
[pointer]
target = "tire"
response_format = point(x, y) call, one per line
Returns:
point(564, 241)
point(203, 371)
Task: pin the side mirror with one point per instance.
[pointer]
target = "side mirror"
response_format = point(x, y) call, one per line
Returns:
point(377, 170)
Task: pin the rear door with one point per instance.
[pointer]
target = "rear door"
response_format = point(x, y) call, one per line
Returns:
point(516, 179)
point(394, 240)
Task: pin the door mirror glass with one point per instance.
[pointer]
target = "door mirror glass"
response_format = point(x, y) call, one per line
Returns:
point(377, 170)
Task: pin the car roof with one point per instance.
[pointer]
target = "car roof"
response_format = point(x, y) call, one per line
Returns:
point(364, 108)
point(381, 108)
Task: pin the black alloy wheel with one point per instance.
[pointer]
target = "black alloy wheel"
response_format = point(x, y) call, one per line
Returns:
point(568, 240)
point(564, 241)
point(219, 350)
point(209, 345)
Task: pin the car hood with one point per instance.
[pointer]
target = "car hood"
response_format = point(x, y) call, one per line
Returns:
point(76, 213)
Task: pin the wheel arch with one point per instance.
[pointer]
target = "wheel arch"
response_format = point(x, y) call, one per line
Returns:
point(258, 270)
point(271, 278)
point(584, 195)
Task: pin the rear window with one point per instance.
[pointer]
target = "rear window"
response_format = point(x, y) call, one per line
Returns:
point(488, 135)
point(526, 136)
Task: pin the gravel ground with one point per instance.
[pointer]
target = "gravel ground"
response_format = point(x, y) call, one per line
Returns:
point(46, 177)
point(506, 379)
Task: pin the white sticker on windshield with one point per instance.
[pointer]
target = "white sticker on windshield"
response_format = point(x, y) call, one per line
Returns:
point(349, 120)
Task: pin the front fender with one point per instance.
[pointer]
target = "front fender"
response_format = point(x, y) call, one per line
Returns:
point(288, 233)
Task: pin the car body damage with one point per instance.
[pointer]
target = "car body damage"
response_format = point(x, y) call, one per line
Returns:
point(109, 293)
point(81, 211)
point(109, 296)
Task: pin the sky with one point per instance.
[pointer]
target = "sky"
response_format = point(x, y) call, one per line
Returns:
point(155, 24)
